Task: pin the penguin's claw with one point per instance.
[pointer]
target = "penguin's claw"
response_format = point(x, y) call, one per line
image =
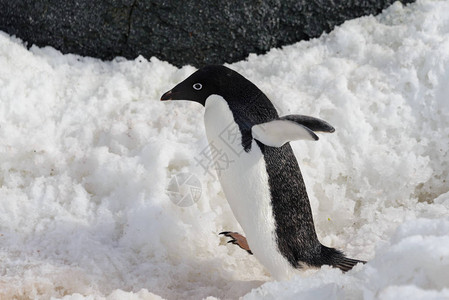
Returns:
point(237, 239)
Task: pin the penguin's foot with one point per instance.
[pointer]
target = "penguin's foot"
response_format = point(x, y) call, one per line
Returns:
point(237, 239)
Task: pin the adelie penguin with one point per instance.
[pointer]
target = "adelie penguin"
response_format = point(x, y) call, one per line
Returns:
point(263, 183)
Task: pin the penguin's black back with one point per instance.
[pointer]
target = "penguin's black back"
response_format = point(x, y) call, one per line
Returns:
point(295, 230)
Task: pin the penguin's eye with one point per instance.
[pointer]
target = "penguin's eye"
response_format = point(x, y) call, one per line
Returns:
point(197, 86)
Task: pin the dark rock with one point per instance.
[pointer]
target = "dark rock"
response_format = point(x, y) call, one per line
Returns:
point(196, 32)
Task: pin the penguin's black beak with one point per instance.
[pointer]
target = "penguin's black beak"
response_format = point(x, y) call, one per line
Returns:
point(167, 96)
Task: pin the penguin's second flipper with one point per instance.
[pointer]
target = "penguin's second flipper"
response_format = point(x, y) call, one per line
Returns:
point(237, 239)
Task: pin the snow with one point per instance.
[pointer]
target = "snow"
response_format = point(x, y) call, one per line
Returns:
point(87, 151)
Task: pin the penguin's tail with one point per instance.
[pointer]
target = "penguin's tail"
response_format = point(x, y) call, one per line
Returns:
point(347, 264)
point(337, 259)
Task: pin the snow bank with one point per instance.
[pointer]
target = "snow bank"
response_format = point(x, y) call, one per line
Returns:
point(87, 152)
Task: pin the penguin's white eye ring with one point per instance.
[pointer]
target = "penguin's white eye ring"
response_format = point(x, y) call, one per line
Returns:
point(197, 86)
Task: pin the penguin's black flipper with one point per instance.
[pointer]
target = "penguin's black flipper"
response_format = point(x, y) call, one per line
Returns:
point(277, 132)
point(312, 123)
point(237, 239)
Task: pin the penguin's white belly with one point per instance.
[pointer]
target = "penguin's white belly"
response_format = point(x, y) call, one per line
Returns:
point(244, 180)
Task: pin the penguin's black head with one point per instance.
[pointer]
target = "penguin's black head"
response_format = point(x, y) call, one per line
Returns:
point(213, 79)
